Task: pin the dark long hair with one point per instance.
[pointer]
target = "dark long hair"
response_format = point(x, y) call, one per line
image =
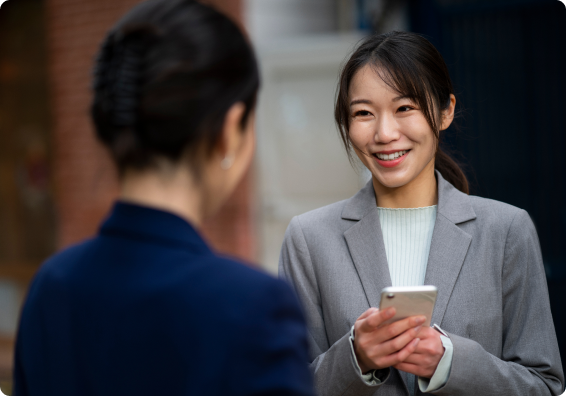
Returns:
point(411, 65)
point(165, 77)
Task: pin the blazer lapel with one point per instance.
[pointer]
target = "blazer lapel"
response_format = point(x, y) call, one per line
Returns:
point(365, 243)
point(367, 249)
point(449, 244)
point(448, 249)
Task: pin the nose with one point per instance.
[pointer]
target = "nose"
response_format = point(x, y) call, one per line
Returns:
point(386, 129)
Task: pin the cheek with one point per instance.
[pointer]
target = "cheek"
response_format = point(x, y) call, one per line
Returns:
point(419, 132)
point(249, 147)
point(360, 140)
point(360, 135)
point(430, 144)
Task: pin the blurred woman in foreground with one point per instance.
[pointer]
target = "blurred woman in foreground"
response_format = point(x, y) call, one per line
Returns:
point(145, 307)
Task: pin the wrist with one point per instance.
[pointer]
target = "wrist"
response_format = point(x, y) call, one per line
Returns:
point(363, 367)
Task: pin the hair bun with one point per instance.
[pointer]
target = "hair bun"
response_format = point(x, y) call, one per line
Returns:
point(166, 75)
point(125, 88)
point(117, 74)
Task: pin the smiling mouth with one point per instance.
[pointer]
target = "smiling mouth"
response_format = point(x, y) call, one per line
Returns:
point(392, 156)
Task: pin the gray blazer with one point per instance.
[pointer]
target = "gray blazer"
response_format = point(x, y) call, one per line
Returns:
point(492, 300)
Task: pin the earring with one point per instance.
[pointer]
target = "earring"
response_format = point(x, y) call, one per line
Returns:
point(227, 162)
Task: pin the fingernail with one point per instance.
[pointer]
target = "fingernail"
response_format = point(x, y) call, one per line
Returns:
point(390, 312)
point(416, 341)
point(420, 320)
point(418, 328)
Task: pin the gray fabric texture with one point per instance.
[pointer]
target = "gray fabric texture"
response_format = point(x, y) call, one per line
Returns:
point(492, 299)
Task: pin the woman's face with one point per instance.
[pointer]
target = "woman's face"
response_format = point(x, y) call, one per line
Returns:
point(390, 134)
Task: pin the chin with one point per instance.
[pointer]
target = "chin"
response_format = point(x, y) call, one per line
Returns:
point(394, 182)
point(392, 179)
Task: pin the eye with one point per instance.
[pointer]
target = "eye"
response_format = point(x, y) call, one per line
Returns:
point(404, 109)
point(362, 113)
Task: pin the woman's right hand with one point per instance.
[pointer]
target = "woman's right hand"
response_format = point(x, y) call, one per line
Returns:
point(379, 346)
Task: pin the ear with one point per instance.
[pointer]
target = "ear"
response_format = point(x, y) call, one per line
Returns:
point(448, 113)
point(232, 133)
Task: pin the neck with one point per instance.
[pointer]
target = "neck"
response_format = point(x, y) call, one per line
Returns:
point(418, 193)
point(172, 190)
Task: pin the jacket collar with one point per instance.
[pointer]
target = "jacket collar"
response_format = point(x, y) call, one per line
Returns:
point(151, 226)
point(448, 248)
point(452, 203)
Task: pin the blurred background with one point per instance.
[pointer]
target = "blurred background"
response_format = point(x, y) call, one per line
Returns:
point(506, 58)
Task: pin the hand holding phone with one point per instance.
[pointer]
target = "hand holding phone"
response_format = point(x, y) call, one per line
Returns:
point(426, 356)
point(408, 302)
point(379, 346)
point(388, 336)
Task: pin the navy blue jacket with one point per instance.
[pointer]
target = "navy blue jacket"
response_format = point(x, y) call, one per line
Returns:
point(146, 308)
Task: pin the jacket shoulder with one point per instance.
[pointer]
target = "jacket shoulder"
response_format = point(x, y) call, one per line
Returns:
point(323, 216)
point(500, 220)
point(59, 266)
point(496, 210)
point(223, 279)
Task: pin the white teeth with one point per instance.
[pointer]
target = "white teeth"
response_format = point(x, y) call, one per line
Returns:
point(389, 157)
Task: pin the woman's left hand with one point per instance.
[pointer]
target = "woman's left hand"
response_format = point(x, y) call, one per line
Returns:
point(427, 355)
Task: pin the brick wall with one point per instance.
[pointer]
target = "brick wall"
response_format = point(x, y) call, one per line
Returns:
point(85, 180)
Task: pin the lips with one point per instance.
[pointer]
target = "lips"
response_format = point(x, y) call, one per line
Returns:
point(390, 159)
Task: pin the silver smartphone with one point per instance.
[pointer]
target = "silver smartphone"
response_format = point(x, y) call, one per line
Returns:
point(409, 301)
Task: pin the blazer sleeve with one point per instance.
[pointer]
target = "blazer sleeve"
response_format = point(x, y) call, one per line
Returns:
point(271, 347)
point(530, 360)
point(334, 370)
point(28, 361)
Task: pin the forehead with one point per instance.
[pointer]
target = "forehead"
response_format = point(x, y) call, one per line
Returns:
point(367, 84)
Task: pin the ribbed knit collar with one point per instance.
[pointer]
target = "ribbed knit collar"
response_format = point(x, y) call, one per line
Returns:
point(423, 208)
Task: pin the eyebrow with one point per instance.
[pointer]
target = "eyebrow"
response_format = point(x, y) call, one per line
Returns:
point(400, 98)
point(358, 101)
point(367, 101)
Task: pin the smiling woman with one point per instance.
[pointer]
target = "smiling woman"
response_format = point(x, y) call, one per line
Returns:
point(413, 224)
point(418, 90)
point(392, 137)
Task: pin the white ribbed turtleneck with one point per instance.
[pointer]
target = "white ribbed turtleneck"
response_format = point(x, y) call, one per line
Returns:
point(407, 234)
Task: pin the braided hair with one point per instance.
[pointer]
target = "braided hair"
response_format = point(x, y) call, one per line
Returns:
point(164, 78)
point(118, 74)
